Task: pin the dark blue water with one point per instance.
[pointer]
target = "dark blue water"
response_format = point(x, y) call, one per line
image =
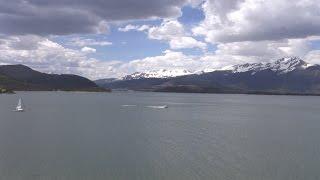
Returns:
point(200, 136)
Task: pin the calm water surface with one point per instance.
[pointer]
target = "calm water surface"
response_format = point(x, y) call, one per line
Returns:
point(200, 136)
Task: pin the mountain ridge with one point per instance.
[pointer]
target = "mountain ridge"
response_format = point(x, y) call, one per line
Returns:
point(284, 76)
point(22, 78)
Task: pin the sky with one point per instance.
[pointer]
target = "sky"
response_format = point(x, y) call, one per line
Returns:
point(111, 38)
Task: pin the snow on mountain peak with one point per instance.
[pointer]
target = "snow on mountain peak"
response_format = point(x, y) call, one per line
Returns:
point(162, 73)
point(281, 66)
point(287, 64)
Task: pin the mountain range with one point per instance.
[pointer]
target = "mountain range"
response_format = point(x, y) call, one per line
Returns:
point(289, 75)
point(20, 77)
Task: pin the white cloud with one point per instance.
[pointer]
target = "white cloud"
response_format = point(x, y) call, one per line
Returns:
point(143, 27)
point(258, 20)
point(265, 50)
point(186, 42)
point(174, 33)
point(131, 27)
point(88, 50)
point(167, 30)
point(127, 28)
point(170, 31)
point(81, 42)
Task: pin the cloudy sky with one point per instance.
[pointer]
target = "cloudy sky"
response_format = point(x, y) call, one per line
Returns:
point(111, 38)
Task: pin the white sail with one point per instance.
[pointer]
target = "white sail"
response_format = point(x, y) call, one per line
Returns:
point(19, 103)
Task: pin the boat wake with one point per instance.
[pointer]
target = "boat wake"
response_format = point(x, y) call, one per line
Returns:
point(129, 105)
point(158, 107)
point(153, 107)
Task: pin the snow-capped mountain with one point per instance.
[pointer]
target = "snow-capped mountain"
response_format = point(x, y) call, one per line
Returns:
point(163, 73)
point(285, 76)
point(281, 66)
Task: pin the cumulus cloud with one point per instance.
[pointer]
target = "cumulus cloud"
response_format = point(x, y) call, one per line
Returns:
point(256, 20)
point(167, 30)
point(59, 17)
point(88, 50)
point(174, 32)
point(242, 31)
point(184, 42)
point(171, 31)
point(266, 50)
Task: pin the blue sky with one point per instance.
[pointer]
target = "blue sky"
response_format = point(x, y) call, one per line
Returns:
point(101, 39)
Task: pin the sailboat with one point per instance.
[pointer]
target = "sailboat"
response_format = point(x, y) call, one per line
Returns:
point(20, 106)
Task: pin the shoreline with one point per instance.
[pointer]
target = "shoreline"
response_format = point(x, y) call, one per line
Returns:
point(240, 93)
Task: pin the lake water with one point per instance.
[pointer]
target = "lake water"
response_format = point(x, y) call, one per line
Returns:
point(200, 136)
